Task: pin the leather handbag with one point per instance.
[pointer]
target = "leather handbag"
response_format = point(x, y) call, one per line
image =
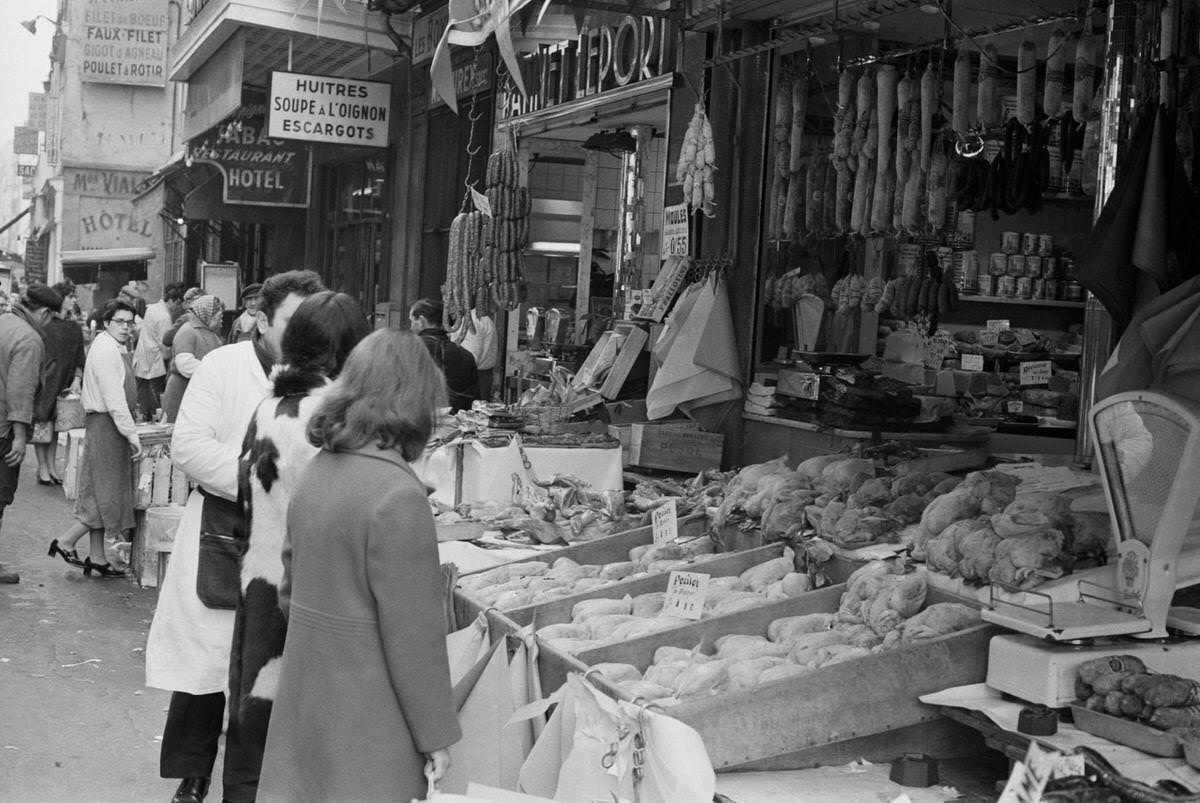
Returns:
point(222, 542)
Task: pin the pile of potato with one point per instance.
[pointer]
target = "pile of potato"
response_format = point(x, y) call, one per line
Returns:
point(880, 610)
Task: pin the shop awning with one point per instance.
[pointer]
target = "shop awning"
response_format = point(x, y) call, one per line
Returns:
point(12, 222)
point(104, 256)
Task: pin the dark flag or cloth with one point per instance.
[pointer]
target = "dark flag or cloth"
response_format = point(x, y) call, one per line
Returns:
point(1148, 224)
point(1160, 349)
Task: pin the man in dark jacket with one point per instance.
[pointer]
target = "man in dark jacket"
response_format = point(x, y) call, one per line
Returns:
point(462, 383)
point(22, 351)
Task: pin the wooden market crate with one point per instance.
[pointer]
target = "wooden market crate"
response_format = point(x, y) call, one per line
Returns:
point(672, 447)
point(865, 707)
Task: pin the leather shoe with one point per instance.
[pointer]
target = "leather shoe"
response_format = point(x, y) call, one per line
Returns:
point(191, 790)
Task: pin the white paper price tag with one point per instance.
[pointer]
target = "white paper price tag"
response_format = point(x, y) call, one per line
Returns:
point(664, 522)
point(1035, 372)
point(481, 202)
point(685, 595)
point(1016, 407)
point(997, 324)
point(1029, 777)
point(972, 362)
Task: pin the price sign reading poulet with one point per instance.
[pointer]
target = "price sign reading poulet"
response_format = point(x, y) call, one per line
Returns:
point(664, 522)
point(972, 362)
point(685, 595)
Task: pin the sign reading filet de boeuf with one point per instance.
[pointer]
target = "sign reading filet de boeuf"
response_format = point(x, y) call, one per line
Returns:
point(324, 108)
point(125, 42)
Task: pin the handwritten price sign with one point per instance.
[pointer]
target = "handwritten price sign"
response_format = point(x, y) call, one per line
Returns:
point(664, 522)
point(1035, 372)
point(685, 595)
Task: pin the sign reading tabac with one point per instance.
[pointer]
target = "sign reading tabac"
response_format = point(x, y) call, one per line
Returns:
point(125, 42)
point(326, 108)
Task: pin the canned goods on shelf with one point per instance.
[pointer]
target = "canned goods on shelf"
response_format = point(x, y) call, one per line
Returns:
point(1067, 267)
point(1053, 288)
point(1039, 288)
point(1046, 245)
point(1010, 242)
point(987, 285)
point(1033, 266)
point(1051, 269)
point(1073, 291)
point(998, 264)
point(1029, 243)
point(1024, 287)
point(1016, 265)
point(1006, 287)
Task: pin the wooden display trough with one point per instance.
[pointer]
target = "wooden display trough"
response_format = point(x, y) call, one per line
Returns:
point(864, 707)
point(608, 549)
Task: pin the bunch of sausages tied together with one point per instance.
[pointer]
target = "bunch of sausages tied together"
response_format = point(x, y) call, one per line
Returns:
point(895, 160)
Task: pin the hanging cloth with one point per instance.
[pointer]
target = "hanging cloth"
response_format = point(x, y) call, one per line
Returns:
point(698, 354)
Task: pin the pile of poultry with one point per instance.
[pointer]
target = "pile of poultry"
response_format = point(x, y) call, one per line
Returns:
point(1122, 686)
point(984, 532)
point(883, 608)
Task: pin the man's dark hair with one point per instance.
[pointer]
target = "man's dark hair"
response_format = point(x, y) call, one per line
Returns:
point(174, 291)
point(39, 296)
point(430, 309)
point(278, 287)
point(113, 306)
point(322, 332)
point(64, 288)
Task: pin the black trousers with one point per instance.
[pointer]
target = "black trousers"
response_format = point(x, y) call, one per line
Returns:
point(149, 394)
point(190, 741)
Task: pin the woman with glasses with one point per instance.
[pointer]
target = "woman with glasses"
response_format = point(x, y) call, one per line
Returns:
point(106, 482)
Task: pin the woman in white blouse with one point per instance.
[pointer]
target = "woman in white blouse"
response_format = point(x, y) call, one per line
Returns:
point(106, 482)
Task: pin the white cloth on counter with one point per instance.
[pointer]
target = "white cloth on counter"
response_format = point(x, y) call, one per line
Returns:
point(487, 472)
point(696, 353)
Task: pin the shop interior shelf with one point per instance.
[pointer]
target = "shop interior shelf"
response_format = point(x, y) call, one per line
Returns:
point(1028, 302)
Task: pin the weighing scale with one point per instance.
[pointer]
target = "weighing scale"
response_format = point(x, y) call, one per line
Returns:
point(1148, 453)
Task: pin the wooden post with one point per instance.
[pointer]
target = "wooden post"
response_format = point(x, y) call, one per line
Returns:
point(587, 226)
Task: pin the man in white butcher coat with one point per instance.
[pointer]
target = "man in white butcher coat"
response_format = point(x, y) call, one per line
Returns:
point(188, 648)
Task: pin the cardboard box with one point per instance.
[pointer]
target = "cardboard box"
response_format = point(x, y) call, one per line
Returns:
point(675, 447)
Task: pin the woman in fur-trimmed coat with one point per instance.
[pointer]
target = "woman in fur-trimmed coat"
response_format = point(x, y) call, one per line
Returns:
point(318, 338)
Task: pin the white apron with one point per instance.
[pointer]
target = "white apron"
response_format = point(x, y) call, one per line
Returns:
point(189, 643)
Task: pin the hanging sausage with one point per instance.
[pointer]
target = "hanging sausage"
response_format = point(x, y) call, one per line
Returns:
point(885, 175)
point(987, 107)
point(843, 125)
point(863, 153)
point(960, 113)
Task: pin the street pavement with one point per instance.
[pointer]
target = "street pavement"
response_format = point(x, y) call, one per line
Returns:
point(76, 721)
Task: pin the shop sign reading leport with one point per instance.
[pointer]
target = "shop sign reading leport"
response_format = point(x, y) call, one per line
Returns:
point(326, 108)
point(606, 55)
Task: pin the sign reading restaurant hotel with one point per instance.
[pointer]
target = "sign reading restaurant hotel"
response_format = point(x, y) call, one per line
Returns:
point(324, 108)
point(125, 42)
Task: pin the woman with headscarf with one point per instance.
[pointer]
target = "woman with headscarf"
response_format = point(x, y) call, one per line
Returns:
point(195, 339)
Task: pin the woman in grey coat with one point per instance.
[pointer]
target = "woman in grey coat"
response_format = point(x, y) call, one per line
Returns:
point(364, 705)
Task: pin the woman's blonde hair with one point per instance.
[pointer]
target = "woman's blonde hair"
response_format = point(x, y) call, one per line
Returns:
point(388, 394)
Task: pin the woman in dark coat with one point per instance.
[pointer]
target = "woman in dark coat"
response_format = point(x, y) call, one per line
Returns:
point(318, 338)
point(63, 369)
point(364, 700)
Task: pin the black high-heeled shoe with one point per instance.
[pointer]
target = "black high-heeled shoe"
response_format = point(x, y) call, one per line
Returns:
point(102, 569)
point(71, 557)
